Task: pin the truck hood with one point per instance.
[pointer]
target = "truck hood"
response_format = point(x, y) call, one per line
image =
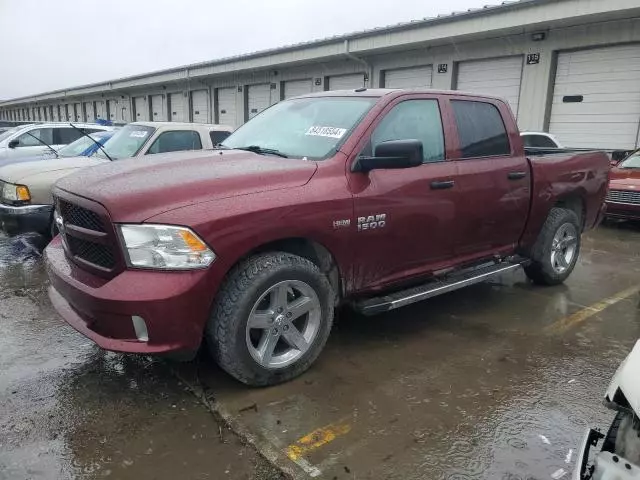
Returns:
point(21, 171)
point(625, 179)
point(139, 188)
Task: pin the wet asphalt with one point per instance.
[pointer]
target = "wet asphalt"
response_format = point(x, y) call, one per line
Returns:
point(499, 380)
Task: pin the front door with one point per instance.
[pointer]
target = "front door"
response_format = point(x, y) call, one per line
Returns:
point(406, 218)
point(30, 143)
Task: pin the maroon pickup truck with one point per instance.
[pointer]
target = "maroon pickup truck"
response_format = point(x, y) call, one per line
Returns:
point(372, 198)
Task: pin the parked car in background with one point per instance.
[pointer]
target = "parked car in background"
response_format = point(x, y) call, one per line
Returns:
point(539, 140)
point(83, 147)
point(619, 455)
point(373, 198)
point(35, 139)
point(623, 199)
point(25, 198)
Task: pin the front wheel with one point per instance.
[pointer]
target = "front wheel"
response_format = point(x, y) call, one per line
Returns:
point(556, 250)
point(271, 319)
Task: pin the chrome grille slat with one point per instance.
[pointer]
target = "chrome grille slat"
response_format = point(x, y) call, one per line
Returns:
point(624, 196)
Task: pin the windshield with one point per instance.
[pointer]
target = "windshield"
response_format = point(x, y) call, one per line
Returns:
point(79, 146)
point(126, 142)
point(10, 132)
point(633, 161)
point(305, 127)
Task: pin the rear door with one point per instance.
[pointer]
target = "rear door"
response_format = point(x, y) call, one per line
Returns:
point(493, 177)
point(406, 219)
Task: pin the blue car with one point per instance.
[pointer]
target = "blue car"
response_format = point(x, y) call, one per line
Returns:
point(82, 147)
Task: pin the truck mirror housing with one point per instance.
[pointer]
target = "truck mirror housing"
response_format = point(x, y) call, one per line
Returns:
point(13, 143)
point(392, 154)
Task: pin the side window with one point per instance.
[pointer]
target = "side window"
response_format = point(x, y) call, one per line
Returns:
point(414, 120)
point(176, 141)
point(65, 136)
point(538, 141)
point(480, 129)
point(218, 136)
point(27, 140)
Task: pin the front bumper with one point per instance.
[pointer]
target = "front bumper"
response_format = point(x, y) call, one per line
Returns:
point(25, 219)
point(173, 305)
point(604, 465)
point(623, 210)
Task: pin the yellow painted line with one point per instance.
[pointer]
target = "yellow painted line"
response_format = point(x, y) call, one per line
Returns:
point(316, 439)
point(581, 316)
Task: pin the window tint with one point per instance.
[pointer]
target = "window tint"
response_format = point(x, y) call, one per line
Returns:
point(65, 136)
point(176, 141)
point(480, 129)
point(217, 137)
point(538, 141)
point(27, 140)
point(414, 120)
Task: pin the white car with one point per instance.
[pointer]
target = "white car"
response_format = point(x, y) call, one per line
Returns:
point(539, 140)
point(36, 138)
point(619, 456)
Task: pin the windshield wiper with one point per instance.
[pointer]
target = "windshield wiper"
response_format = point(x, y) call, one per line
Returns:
point(93, 140)
point(262, 151)
point(55, 152)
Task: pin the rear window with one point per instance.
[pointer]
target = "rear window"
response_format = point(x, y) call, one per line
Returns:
point(480, 129)
point(176, 141)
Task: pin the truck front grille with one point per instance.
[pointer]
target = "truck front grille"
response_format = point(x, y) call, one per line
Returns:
point(80, 217)
point(100, 255)
point(624, 196)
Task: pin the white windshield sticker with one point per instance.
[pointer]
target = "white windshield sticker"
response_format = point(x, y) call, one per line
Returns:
point(332, 132)
point(138, 134)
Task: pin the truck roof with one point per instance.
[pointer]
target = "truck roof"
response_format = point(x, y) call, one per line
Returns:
point(382, 92)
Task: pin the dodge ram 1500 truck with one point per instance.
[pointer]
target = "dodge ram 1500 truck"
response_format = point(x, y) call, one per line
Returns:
point(372, 198)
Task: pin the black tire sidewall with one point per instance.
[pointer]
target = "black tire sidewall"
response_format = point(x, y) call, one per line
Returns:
point(541, 270)
point(305, 272)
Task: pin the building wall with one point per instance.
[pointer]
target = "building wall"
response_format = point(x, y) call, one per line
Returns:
point(536, 84)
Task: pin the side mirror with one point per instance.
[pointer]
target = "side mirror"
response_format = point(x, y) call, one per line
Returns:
point(391, 155)
point(13, 143)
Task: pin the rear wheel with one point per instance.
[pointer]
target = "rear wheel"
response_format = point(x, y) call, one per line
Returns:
point(556, 250)
point(271, 319)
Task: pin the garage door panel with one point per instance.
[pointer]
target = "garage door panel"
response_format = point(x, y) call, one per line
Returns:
point(346, 82)
point(258, 98)
point(142, 112)
point(295, 88)
point(158, 108)
point(609, 114)
point(500, 76)
point(226, 106)
point(200, 106)
point(177, 104)
point(415, 77)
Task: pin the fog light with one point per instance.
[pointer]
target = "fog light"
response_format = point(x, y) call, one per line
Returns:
point(140, 327)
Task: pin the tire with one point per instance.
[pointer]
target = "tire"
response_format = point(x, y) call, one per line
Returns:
point(550, 266)
point(253, 290)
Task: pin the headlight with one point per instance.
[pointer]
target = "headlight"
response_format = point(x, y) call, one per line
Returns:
point(15, 193)
point(164, 247)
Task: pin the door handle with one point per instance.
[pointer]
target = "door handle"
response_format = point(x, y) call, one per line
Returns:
point(516, 175)
point(442, 184)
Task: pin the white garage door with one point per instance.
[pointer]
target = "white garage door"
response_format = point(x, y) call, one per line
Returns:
point(346, 82)
point(294, 88)
point(56, 116)
point(177, 104)
point(113, 110)
point(258, 98)
point(78, 112)
point(89, 111)
point(596, 98)
point(142, 112)
point(200, 106)
point(498, 76)
point(415, 77)
point(69, 111)
point(158, 108)
point(226, 112)
point(101, 110)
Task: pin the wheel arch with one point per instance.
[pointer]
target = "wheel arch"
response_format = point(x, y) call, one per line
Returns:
point(576, 203)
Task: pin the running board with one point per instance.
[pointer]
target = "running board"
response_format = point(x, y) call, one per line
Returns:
point(372, 306)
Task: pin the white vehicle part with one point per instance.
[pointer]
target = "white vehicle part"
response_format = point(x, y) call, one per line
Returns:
point(626, 381)
point(612, 467)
